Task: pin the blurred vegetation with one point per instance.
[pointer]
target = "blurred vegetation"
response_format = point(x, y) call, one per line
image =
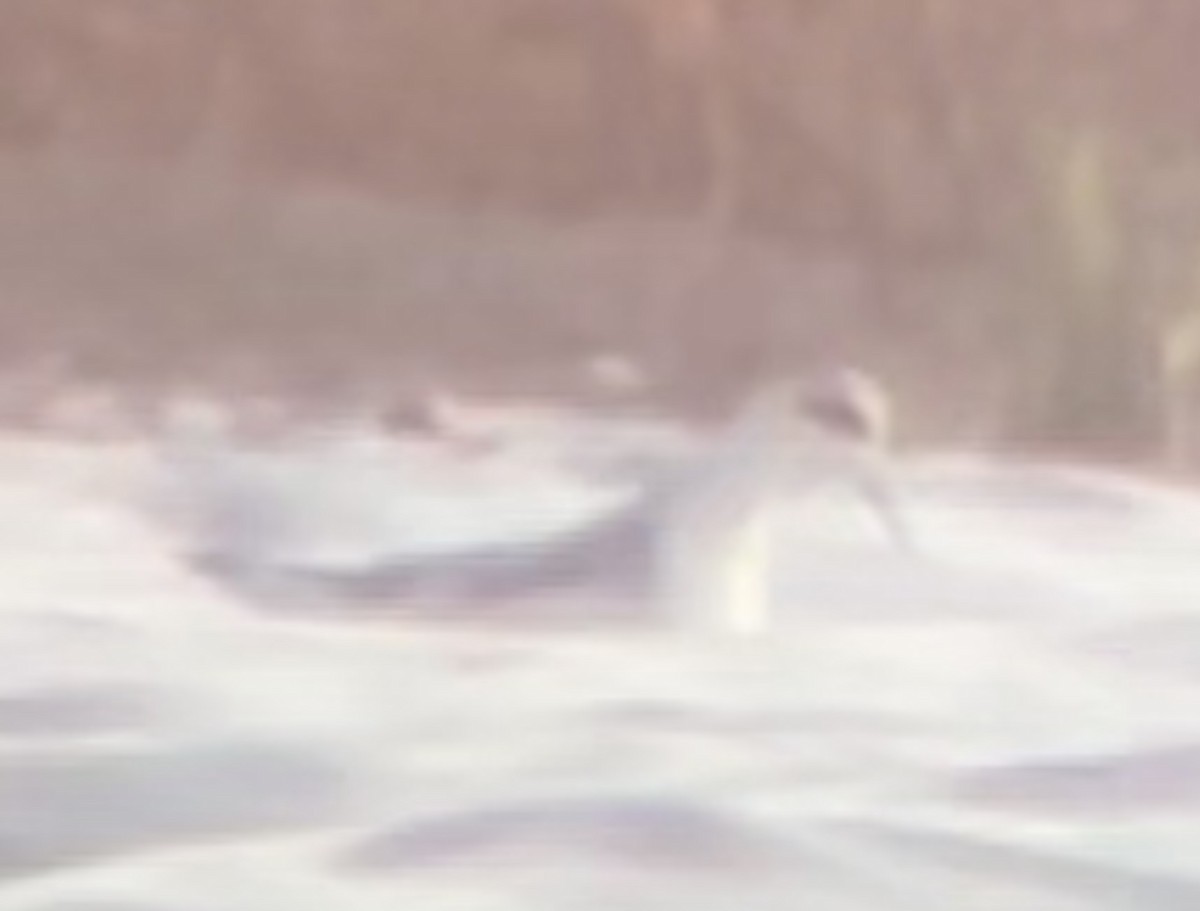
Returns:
point(1094, 374)
point(997, 205)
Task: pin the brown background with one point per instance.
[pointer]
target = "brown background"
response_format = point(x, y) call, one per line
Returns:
point(993, 203)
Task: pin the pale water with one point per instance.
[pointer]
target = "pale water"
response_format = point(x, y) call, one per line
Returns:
point(1007, 719)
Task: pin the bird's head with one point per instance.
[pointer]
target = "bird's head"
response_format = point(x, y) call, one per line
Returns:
point(845, 405)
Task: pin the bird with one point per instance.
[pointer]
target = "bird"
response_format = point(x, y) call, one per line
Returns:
point(693, 550)
point(715, 549)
